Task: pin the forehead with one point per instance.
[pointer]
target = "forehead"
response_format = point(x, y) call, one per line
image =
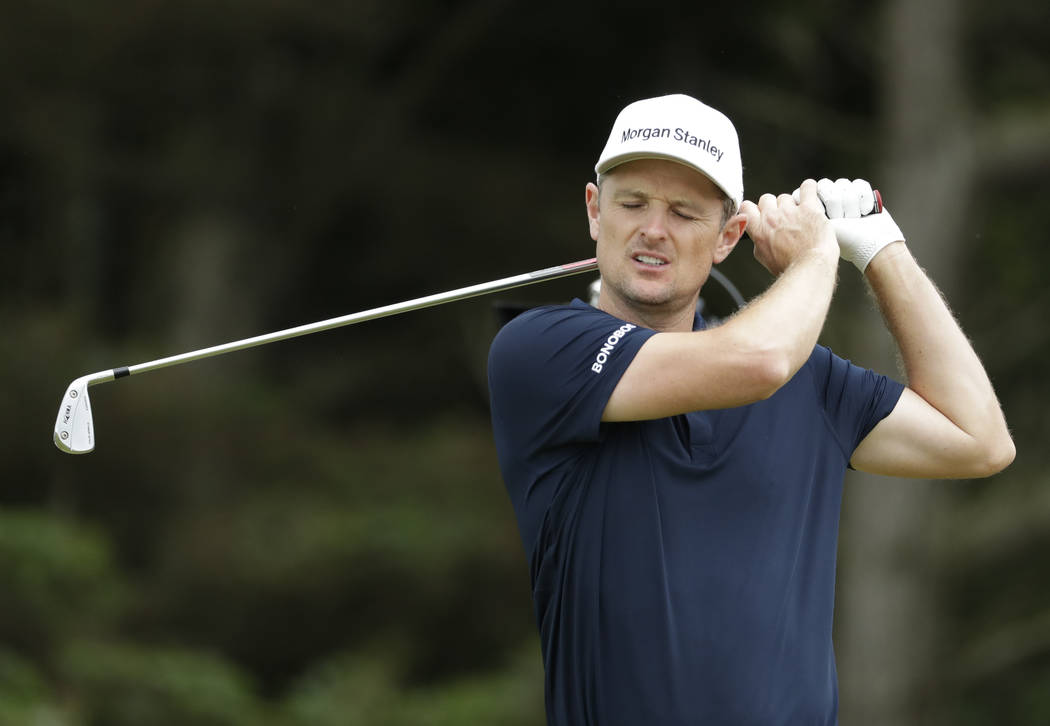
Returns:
point(661, 175)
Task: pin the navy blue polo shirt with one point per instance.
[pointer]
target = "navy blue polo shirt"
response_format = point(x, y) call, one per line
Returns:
point(682, 569)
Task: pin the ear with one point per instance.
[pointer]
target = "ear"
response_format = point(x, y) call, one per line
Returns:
point(592, 209)
point(729, 236)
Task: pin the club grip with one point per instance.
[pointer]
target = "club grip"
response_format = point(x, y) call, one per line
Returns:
point(876, 208)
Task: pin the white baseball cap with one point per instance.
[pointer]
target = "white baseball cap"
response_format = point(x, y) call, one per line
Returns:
point(678, 128)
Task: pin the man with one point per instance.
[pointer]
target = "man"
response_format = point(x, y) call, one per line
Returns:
point(677, 488)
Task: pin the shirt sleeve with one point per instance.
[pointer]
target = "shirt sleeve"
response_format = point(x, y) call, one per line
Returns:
point(551, 373)
point(855, 399)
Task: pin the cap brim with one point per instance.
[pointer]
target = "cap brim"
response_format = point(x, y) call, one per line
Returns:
point(612, 162)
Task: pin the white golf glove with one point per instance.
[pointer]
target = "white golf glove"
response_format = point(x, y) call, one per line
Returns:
point(860, 233)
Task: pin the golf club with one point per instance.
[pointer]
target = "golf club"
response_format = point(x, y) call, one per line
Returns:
point(75, 427)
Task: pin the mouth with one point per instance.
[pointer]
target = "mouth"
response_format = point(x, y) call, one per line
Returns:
point(649, 260)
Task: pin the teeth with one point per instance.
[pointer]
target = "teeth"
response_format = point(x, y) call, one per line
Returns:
point(649, 260)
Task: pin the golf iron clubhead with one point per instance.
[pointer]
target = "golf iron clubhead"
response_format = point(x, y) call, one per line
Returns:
point(74, 426)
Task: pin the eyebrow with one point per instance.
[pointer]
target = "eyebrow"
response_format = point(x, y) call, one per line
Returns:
point(639, 194)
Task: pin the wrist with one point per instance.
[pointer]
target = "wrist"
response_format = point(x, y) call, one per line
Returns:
point(887, 257)
point(826, 251)
point(861, 239)
point(820, 260)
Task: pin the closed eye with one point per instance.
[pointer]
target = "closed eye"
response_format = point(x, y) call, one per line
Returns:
point(684, 216)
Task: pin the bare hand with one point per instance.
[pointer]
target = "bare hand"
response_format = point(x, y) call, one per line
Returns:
point(783, 230)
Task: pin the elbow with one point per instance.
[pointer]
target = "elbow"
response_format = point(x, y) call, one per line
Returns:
point(993, 457)
point(758, 365)
point(772, 370)
point(1001, 455)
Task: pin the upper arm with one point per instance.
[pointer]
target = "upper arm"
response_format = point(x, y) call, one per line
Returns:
point(916, 440)
point(674, 373)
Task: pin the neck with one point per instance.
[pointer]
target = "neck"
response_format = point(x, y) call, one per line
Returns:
point(662, 318)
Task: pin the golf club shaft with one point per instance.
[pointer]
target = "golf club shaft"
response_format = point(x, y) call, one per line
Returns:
point(507, 283)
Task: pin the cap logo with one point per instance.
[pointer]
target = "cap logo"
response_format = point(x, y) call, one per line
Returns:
point(678, 134)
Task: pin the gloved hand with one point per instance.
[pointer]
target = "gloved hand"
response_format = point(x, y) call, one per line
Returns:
point(860, 233)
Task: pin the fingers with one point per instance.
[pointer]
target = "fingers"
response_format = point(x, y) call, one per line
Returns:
point(842, 198)
point(758, 214)
point(785, 226)
point(830, 193)
point(865, 196)
point(750, 210)
point(767, 203)
point(811, 192)
point(848, 199)
point(807, 192)
point(845, 199)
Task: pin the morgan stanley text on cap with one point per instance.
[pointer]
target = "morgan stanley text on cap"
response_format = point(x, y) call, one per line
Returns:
point(678, 128)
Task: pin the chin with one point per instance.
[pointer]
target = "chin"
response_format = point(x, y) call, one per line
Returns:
point(650, 298)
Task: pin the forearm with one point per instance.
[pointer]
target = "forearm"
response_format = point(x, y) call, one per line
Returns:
point(743, 361)
point(939, 362)
point(786, 320)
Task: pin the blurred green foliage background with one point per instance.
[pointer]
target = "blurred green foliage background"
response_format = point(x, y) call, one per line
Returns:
point(315, 532)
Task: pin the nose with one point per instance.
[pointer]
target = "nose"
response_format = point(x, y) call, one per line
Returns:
point(654, 226)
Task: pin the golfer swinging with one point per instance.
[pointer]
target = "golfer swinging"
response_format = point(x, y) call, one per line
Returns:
point(678, 487)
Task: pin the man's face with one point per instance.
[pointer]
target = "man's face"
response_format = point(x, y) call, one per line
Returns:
point(658, 228)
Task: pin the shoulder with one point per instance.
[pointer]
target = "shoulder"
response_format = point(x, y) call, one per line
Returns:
point(562, 341)
point(547, 316)
point(836, 374)
point(821, 361)
point(551, 325)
